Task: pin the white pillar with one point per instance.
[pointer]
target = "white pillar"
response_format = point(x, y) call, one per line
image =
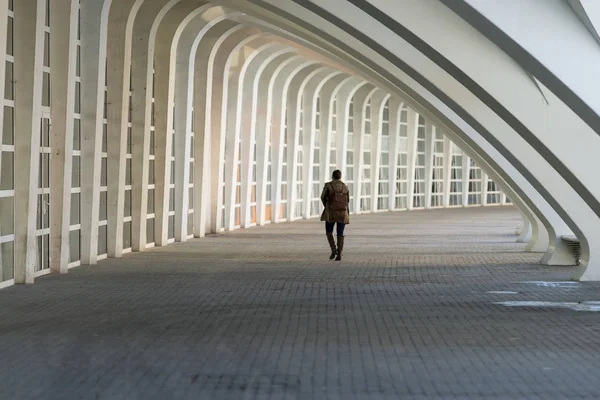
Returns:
point(29, 48)
point(447, 170)
point(484, 188)
point(295, 92)
point(208, 99)
point(360, 99)
point(429, 143)
point(63, 56)
point(230, 124)
point(395, 110)
point(148, 19)
point(377, 104)
point(466, 172)
point(120, 26)
point(263, 127)
point(164, 57)
point(311, 94)
point(412, 128)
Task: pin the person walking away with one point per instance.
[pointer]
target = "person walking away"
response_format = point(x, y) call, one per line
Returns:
point(335, 198)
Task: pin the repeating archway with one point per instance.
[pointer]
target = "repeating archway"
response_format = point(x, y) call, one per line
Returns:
point(211, 116)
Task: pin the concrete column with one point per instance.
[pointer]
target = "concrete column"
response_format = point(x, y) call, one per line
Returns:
point(193, 28)
point(328, 95)
point(63, 57)
point(208, 101)
point(279, 87)
point(145, 28)
point(164, 55)
point(253, 127)
point(447, 170)
point(246, 122)
point(229, 122)
point(361, 98)
point(3, 39)
point(344, 94)
point(429, 143)
point(412, 128)
point(484, 188)
point(377, 103)
point(120, 27)
point(29, 49)
point(394, 109)
point(466, 171)
point(263, 127)
point(295, 91)
point(312, 88)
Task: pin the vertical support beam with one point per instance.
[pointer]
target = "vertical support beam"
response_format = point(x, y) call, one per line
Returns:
point(3, 39)
point(313, 92)
point(412, 129)
point(145, 29)
point(447, 170)
point(263, 128)
point(377, 103)
point(466, 171)
point(63, 56)
point(429, 143)
point(343, 95)
point(293, 122)
point(362, 96)
point(120, 27)
point(296, 91)
point(165, 58)
point(94, 22)
point(230, 121)
point(484, 188)
point(394, 108)
point(29, 49)
point(208, 101)
point(246, 127)
point(503, 198)
point(328, 95)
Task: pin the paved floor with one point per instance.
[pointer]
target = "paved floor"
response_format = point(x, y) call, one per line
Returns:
point(262, 314)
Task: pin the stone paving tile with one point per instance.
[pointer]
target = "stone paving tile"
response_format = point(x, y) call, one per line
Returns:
point(263, 314)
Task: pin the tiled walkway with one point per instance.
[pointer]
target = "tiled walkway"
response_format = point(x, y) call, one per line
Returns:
point(263, 314)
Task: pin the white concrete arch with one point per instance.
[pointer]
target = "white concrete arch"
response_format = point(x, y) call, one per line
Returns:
point(572, 200)
point(230, 129)
point(145, 30)
point(193, 28)
point(278, 86)
point(390, 66)
point(559, 223)
point(261, 125)
point(327, 93)
point(305, 104)
point(295, 125)
point(208, 88)
point(270, 111)
point(312, 96)
point(248, 92)
point(377, 109)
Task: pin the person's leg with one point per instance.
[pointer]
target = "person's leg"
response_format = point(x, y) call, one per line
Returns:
point(330, 239)
point(340, 240)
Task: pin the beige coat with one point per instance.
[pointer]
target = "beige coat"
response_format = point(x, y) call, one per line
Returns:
point(332, 215)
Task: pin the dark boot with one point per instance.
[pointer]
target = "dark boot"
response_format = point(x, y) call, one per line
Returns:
point(340, 247)
point(332, 245)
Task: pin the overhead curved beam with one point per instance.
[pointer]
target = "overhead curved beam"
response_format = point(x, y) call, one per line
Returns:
point(393, 62)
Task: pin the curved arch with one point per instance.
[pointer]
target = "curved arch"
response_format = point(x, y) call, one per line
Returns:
point(415, 87)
